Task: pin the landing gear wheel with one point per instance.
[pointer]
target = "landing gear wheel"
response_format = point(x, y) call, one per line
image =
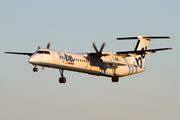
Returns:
point(62, 80)
point(35, 69)
point(115, 79)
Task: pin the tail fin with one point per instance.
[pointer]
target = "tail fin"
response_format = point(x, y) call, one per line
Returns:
point(142, 44)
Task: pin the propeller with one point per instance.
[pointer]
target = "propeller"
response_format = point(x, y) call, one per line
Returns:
point(98, 54)
point(39, 47)
point(48, 45)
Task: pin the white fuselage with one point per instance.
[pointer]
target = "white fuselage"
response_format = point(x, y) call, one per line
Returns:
point(83, 63)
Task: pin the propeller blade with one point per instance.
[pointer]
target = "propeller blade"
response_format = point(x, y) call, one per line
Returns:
point(95, 47)
point(48, 45)
point(39, 47)
point(102, 47)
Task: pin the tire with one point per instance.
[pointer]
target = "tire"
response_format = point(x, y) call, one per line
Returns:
point(116, 79)
point(34, 69)
point(64, 80)
point(60, 80)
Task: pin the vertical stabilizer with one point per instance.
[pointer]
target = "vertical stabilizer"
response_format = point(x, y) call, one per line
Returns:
point(142, 44)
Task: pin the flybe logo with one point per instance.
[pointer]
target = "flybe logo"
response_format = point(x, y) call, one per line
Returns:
point(115, 58)
point(139, 60)
point(67, 59)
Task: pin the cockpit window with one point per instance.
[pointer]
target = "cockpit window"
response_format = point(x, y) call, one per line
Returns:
point(43, 52)
point(40, 52)
point(46, 52)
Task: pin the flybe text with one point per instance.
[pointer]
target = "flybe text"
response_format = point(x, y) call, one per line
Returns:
point(64, 57)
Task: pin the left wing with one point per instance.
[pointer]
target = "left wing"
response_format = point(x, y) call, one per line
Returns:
point(139, 52)
point(29, 54)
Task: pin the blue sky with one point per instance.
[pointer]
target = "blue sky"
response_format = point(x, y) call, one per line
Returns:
point(73, 26)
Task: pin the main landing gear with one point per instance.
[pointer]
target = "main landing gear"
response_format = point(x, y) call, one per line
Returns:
point(35, 69)
point(115, 79)
point(62, 79)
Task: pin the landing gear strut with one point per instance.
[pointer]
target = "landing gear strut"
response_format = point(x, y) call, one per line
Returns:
point(35, 69)
point(115, 78)
point(62, 79)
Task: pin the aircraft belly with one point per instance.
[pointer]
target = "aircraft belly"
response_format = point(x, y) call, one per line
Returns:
point(81, 67)
point(96, 69)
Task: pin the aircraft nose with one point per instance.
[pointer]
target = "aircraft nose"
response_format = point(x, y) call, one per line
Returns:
point(32, 60)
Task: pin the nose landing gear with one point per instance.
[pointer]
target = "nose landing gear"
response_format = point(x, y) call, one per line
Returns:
point(62, 79)
point(35, 69)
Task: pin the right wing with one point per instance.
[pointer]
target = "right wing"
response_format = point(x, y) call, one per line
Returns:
point(29, 54)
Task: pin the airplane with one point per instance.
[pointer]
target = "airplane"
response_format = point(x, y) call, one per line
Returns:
point(99, 63)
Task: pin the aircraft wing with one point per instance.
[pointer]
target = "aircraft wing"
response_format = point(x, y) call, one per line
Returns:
point(29, 54)
point(139, 52)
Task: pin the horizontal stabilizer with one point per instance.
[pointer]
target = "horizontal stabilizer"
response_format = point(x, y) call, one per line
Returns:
point(29, 54)
point(145, 37)
point(139, 52)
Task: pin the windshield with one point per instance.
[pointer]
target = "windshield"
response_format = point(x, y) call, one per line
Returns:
point(43, 52)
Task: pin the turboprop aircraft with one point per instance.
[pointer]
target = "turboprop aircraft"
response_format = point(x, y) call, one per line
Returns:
point(108, 64)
